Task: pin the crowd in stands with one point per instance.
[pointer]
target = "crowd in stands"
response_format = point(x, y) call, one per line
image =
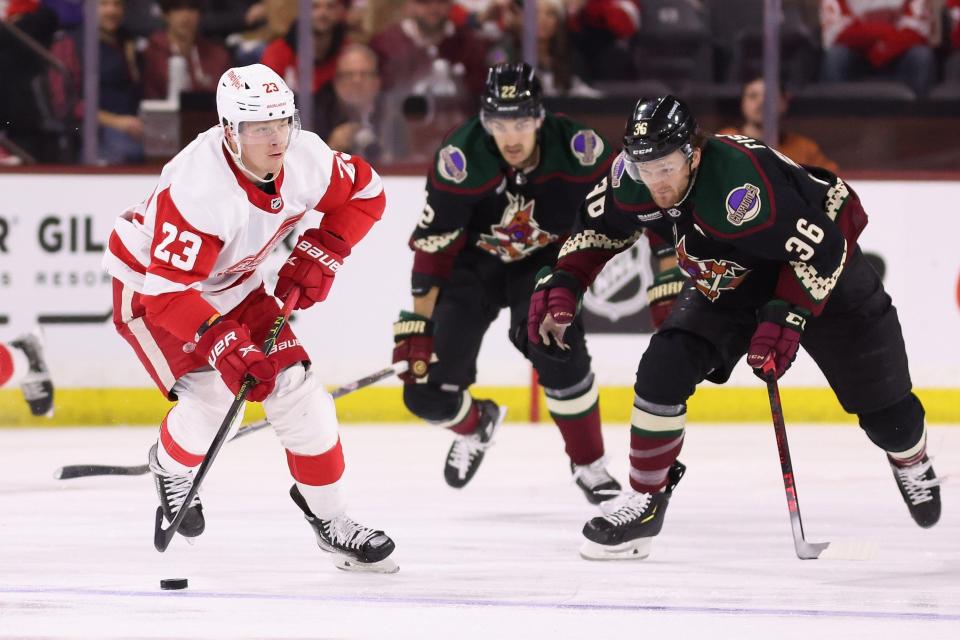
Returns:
point(380, 67)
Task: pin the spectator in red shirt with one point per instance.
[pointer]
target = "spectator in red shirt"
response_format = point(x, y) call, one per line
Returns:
point(205, 60)
point(329, 38)
point(888, 39)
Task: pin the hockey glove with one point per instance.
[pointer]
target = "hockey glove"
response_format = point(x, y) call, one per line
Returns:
point(413, 337)
point(228, 349)
point(777, 336)
point(553, 307)
point(312, 266)
point(662, 293)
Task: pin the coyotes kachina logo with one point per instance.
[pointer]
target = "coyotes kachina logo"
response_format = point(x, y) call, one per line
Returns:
point(710, 277)
point(518, 234)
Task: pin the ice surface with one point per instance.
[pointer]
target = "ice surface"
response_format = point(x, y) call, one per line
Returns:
point(497, 559)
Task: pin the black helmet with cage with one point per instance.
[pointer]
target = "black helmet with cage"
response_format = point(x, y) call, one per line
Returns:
point(659, 126)
point(512, 91)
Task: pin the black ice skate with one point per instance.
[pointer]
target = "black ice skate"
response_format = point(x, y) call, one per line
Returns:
point(172, 489)
point(920, 488)
point(354, 546)
point(466, 452)
point(627, 532)
point(597, 485)
point(36, 385)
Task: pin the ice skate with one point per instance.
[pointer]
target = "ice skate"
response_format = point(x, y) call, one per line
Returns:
point(36, 385)
point(632, 520)
point(595, 482)
point(920, 488)
point(467, 451)
point(354, 546)
point(172, 489)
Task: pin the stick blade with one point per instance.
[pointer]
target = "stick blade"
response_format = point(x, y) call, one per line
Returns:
point(810, 550)
point(161, 536)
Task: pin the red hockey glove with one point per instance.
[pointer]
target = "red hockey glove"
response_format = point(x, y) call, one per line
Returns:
point(661, 294)
point(413, 336)
point(777, 336)
point(553, 306)
point(312, 266)
point(230, 351)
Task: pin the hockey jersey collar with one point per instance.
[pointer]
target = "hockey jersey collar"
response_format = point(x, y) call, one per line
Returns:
point(271, 203)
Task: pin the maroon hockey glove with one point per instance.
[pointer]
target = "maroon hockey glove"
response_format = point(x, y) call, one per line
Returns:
point(553, 306)
point(777, 336)
point(413, 336)
point(312, 266)
point(661, 294)
point(228, 349)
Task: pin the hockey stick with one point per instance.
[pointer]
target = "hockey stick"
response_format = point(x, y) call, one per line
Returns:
point(70, 471)
point(805, 550)
point(162, 537)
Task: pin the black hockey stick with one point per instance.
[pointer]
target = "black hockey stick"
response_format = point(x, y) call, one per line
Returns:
point(71, 471)
point(805, 550)
point(162, 537)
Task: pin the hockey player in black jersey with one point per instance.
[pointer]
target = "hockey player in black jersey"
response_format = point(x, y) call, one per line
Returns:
point(768, 250)
point(502, 196)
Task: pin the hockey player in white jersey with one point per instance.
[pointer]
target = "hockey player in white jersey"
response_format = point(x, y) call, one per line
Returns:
point(189, 296)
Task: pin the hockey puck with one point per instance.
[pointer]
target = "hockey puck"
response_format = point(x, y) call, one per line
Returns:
point(173, 583)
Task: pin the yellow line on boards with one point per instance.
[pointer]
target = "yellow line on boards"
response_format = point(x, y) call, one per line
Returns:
point(385, 404)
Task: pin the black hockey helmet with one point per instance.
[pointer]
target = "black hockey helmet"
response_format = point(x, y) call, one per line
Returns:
point(512, 91)
point(657, 127)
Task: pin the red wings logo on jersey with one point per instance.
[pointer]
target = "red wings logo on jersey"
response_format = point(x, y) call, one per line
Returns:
point(710, 277)
point(252, 262)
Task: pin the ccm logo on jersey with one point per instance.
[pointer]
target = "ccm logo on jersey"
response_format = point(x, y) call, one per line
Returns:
point(319, 255)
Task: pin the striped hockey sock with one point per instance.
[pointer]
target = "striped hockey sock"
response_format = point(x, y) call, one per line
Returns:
point(655, 443)
point(576, 412)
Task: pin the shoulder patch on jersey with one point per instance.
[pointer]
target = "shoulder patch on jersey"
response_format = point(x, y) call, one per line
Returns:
point(586, 146)
point(743, 204)
point(452, 164)
point(617, 170)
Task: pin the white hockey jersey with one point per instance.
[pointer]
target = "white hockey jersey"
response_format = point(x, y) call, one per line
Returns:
point(200, 236)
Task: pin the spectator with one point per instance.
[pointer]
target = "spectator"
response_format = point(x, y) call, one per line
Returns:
point(223, 18)
point(798, 148)
point(350, 111)
point(247, 46)
point(329, 37)
point(408, 49)
point(887, 39)
point(602, 31)
point(205, 60)
point(951, 73)
point(120, 128)
point(23, 104)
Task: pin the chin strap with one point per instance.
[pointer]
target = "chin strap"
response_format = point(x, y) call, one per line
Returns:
point(239, 162)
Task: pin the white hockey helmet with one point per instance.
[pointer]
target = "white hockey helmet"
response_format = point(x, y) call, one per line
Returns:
point(254, 93)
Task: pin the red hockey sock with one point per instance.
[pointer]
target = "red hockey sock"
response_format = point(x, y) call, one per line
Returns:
point(322, 469)
point(174, 450)
point(581, 435)
point(6, 364)
point(470, 421)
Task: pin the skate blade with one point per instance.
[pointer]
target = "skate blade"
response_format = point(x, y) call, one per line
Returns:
point(344, 563)
point(857, 551)
point(633, 550)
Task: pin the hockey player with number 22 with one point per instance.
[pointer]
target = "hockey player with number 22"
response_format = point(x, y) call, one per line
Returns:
point(189, 297)
point(768, 253)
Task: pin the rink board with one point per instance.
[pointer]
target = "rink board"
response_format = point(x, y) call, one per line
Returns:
point(53, 229)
